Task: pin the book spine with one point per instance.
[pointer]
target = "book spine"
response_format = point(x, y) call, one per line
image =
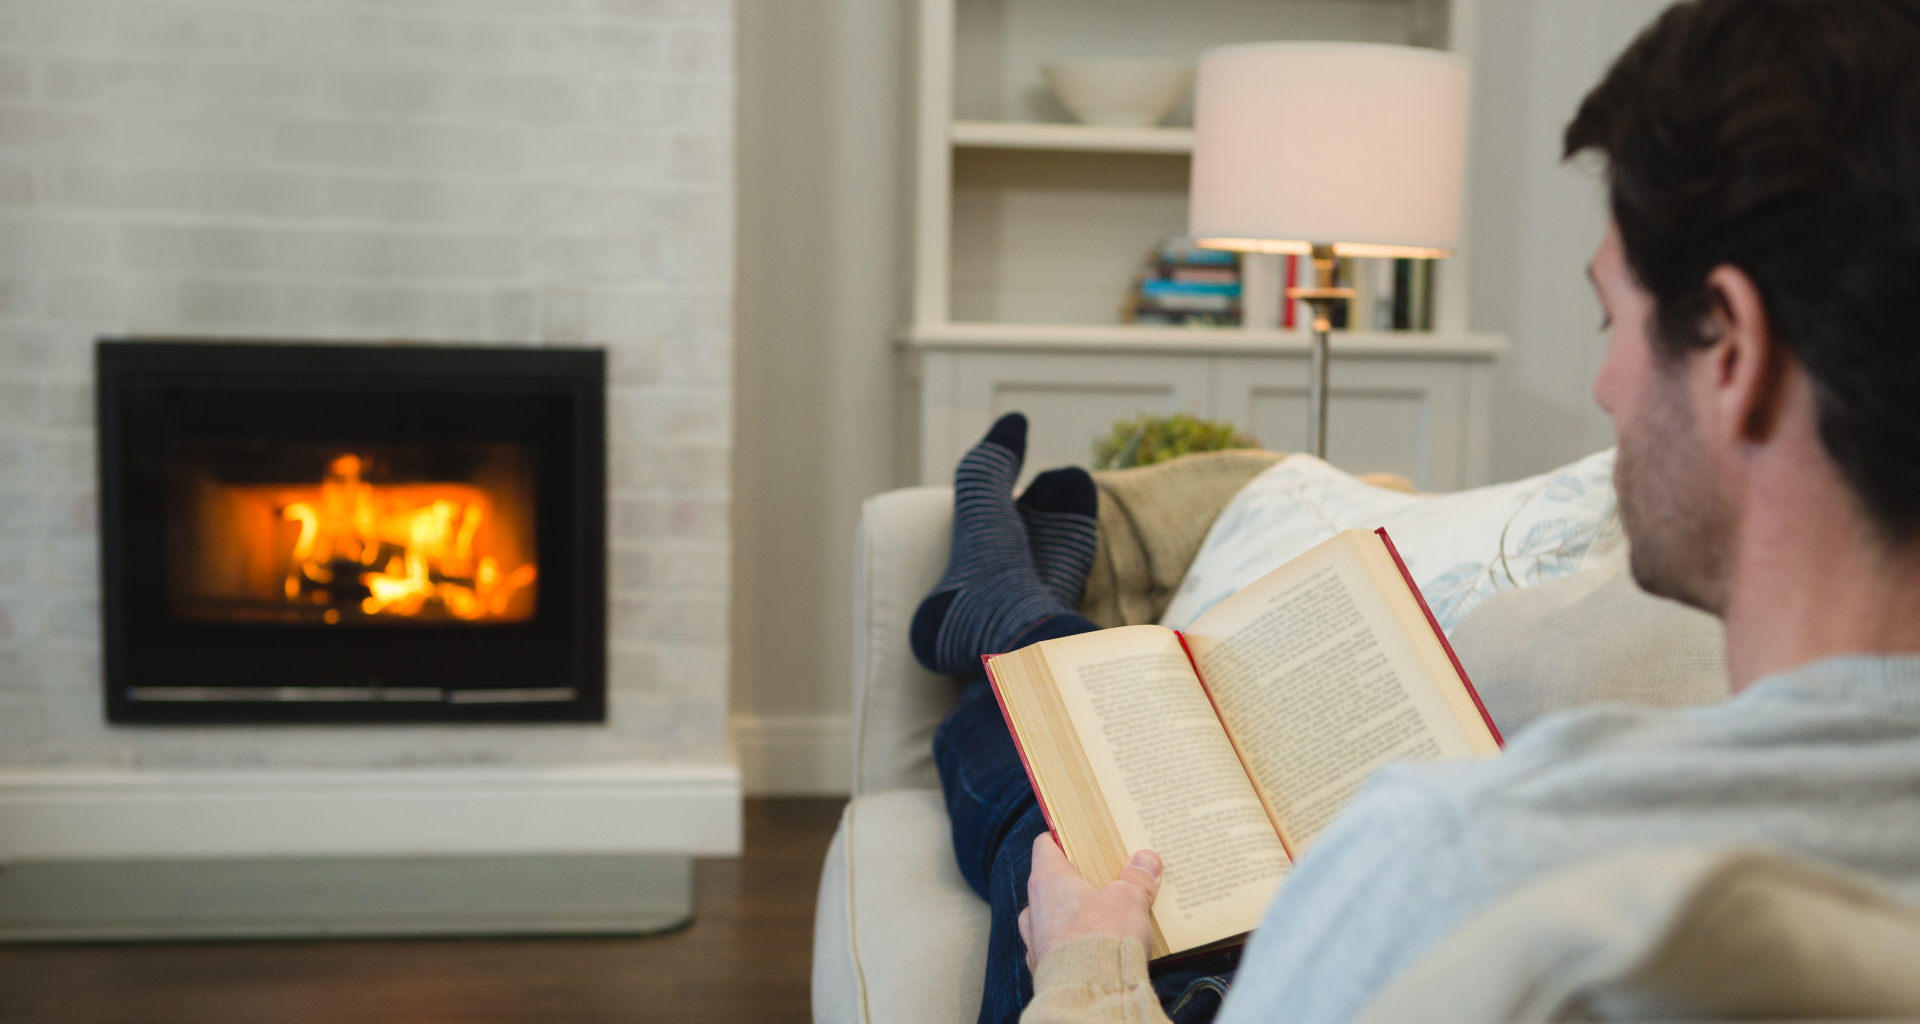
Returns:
point(1361, 304)
point(1203, 275)
point(1422, 301)
point(1402, 295)
point(1289, 317)
point(1179, 253)
point(1235, 744)
point(1157, 288)
point(1440, 635)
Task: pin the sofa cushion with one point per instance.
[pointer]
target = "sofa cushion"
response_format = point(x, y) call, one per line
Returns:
point(898, 936)
point(1460, 547)
point(1591, 638)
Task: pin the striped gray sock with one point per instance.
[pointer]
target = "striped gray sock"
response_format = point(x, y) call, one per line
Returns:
point(990, 593)
point(1060, 510)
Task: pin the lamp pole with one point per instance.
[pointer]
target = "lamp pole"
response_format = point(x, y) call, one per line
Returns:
point(1324, 298)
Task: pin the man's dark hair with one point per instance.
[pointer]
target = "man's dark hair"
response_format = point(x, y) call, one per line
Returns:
point(1782, 137)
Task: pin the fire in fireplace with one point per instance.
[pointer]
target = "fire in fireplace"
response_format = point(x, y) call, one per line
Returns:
point(368, 541)
point(352, 533)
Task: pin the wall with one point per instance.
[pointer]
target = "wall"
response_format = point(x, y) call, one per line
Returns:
point(1535, 221)
point(503, 171)
point(825, 173)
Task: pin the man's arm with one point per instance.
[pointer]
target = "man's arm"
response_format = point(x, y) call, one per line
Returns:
point(1087, 947)
point(1388, 879)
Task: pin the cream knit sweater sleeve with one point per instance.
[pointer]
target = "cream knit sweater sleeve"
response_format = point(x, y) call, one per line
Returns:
point(1094, 978)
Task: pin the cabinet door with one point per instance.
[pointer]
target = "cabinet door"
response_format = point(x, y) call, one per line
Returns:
point(1419, 418)
point(1069, 400)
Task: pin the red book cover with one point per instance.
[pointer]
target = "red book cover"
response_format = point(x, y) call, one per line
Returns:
point(1441, 636)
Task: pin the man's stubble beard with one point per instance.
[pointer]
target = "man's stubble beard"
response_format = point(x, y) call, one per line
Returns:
point(1679, 530)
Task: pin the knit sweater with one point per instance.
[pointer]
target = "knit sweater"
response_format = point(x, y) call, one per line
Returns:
point(1822, 761)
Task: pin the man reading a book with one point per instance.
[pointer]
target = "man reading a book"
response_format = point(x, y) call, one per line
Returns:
point(1762, 363)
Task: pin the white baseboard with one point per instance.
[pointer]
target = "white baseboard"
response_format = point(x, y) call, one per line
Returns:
point(337, 897)
point(794, 755)
point(127, 814)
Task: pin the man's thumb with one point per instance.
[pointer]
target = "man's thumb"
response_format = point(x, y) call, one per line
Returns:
point(1144, 871)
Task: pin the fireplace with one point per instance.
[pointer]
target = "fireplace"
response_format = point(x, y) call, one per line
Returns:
point(349, 533)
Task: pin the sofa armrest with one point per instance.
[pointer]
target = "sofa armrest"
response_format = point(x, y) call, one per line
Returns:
point(899, 553)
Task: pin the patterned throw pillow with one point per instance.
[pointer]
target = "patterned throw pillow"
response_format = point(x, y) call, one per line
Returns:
point(1461, 547)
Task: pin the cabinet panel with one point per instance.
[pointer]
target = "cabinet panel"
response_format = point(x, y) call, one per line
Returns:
point(1068, 399)
point(1409, 417)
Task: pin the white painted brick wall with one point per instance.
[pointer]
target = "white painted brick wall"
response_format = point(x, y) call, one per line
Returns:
point(507, 171)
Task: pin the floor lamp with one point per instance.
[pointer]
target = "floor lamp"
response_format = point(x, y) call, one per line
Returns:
point(1328, 150)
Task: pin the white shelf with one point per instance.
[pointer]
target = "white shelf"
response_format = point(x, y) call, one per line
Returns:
point(1089, 138)
point(1188, 340)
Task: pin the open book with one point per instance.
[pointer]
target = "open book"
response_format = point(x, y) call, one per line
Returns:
point(1228, 748)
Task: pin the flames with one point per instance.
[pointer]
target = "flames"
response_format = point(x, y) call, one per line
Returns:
point(395, 549)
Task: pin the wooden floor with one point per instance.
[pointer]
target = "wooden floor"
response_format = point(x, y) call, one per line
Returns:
point(746, 958)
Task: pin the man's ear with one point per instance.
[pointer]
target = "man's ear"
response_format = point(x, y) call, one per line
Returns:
point(1743, 363)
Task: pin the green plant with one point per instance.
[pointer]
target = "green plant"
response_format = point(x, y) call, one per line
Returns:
point(1150, 439)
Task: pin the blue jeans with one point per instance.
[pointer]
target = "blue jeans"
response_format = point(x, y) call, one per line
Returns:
point(995, 819)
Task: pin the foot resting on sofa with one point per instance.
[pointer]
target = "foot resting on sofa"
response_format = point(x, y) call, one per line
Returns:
point(1004, 578)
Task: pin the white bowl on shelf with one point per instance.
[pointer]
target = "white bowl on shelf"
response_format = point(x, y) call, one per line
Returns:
point(1133, 91)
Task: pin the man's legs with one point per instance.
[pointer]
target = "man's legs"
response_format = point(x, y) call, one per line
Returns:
point(990, 803)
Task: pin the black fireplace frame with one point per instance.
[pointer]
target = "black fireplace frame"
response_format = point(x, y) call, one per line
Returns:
point(566, 636)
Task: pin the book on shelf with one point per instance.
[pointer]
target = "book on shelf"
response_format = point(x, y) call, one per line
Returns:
point(1184, 285)
point(1420, 302)
point(1290, 278)
point(1204, 275)
point(1228, 747)
point(1402, 305)
point(1182, 252)
point(1189, 297)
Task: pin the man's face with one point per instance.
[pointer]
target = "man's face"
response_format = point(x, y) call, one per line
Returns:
point(1676, 524)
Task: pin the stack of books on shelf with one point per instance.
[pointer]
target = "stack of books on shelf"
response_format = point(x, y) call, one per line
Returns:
point(1188, 286)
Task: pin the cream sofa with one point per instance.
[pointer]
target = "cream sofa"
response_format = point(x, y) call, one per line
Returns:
point(898, 936)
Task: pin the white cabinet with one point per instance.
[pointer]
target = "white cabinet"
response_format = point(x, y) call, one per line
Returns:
point(1413, 405)
point(1028, 231)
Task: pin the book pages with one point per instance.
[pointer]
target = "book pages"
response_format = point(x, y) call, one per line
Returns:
point(1171, 779)
point(1321, 679)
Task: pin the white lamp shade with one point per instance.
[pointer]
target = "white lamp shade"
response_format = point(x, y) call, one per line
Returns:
point(1356, 145)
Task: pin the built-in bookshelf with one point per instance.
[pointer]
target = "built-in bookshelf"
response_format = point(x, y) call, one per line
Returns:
point(1031, 230)
point(1025, 217)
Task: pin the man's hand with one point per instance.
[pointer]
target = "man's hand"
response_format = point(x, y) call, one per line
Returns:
point(1061, 906)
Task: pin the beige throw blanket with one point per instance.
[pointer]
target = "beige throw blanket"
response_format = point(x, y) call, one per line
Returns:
point(1152, 521)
